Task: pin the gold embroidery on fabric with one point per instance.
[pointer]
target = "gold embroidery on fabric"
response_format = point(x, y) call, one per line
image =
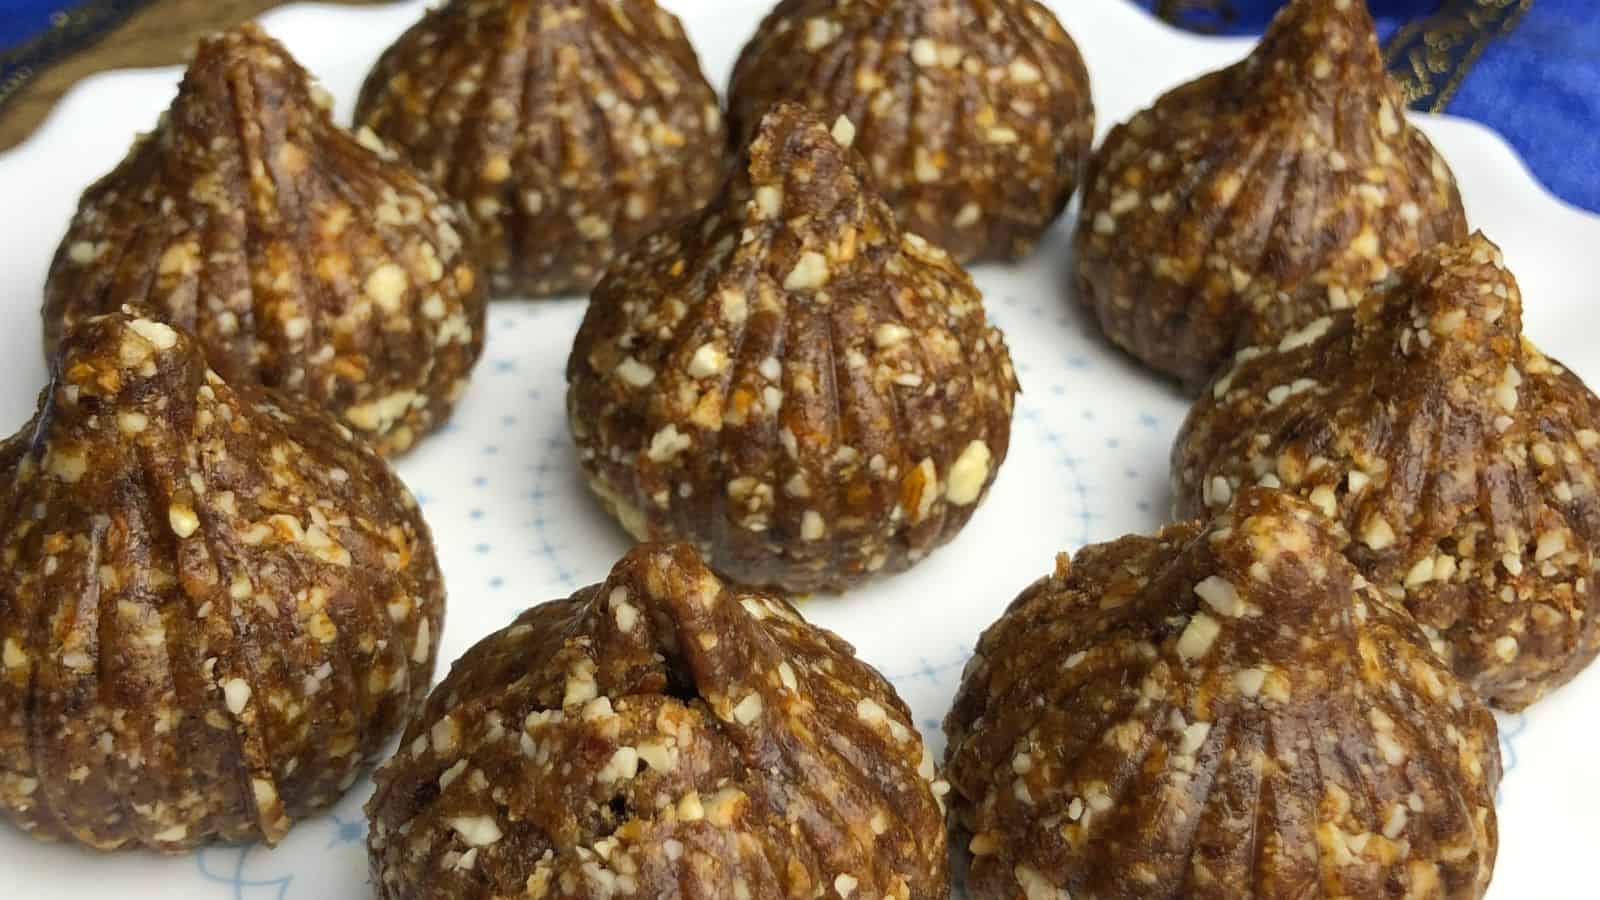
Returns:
point(1431, 56)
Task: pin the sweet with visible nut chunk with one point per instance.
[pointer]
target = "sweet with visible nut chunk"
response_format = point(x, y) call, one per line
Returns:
point(660, 735)
point(1251, 201)
point(974, 116)
point(210, 623)
point(569, 128)
point(1452, 450)
point(301, 259)
point(1219, 712)
point(789, 381)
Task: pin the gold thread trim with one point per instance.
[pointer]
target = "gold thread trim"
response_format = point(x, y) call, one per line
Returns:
point(1431, 57)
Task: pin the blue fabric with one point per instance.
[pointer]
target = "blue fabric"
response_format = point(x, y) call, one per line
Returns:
point(22, 19)
point(36, 34)
point(1537, 84)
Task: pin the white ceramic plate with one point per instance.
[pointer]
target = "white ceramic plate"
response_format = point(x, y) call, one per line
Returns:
point(1088, 459)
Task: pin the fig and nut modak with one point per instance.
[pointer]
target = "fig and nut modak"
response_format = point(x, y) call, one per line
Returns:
point(661, 735)
point(1465, 463)
point(300, 257)
point(216, 606)
point(1216, 712)
point(974, 116)
point(1255, 199)
point(788, 380)
point(569, 128)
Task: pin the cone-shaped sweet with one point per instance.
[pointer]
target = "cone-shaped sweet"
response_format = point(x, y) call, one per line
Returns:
point(788, 381)
point(1229, 711)
point(301, 259)
point(974, 116)
point(570, 128)
point(660, 735)
point(1463, 461)
point(1250, 201)
point(215, 607)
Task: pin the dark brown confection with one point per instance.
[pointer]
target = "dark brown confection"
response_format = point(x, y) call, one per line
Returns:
point(1220, 712)
point(1466, 464)
point(570, 128)
point(1205, 215)
point(788, 381)
point(215, 607)
point(661, 735)
point(974, 115)
point(300, 258)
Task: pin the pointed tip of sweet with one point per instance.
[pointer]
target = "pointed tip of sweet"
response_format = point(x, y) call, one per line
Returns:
point(808, 194)
point(222, 58)
point(1452, 301)
point(1320, 42)
point(1272, 549)
point(118, 352)
point(1469, 274)
point(788, 134)
point(785, 119)
point(798, 165)
point(1323, 15)
point(663, 572)
point(247, 42)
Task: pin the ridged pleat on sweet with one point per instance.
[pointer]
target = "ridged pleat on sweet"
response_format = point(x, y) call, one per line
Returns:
point(1220, 712)
point(1252, 200)
point(215, 605)
point(660, 735)
point(301, 259)
point(790, 382)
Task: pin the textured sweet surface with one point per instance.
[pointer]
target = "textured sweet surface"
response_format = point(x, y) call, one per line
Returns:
point(1464, 462)
point(570, 128)
point(787, 380)
point(1219, 712)
point(974, 116)
point(1090, 445)
point(1205, 215)
point(661, 735)
point(214, 608)
point(301, 258)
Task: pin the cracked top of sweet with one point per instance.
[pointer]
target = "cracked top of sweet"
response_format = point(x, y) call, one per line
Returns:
point(661, 734)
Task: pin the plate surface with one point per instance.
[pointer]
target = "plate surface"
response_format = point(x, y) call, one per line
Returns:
point(1088, 460)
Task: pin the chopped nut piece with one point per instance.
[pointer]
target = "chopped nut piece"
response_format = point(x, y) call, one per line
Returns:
point(216, 622)
point(237, 693)
point(1263, 226)
point(847, 403)
point(477, 831)
point(330, 271)
point(621, 135)
point(182, 519)
point(974, 116)
point(808, 274)
point(969, 474)
point(657, 771)
point(1452, 462)
point(1316, 715)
